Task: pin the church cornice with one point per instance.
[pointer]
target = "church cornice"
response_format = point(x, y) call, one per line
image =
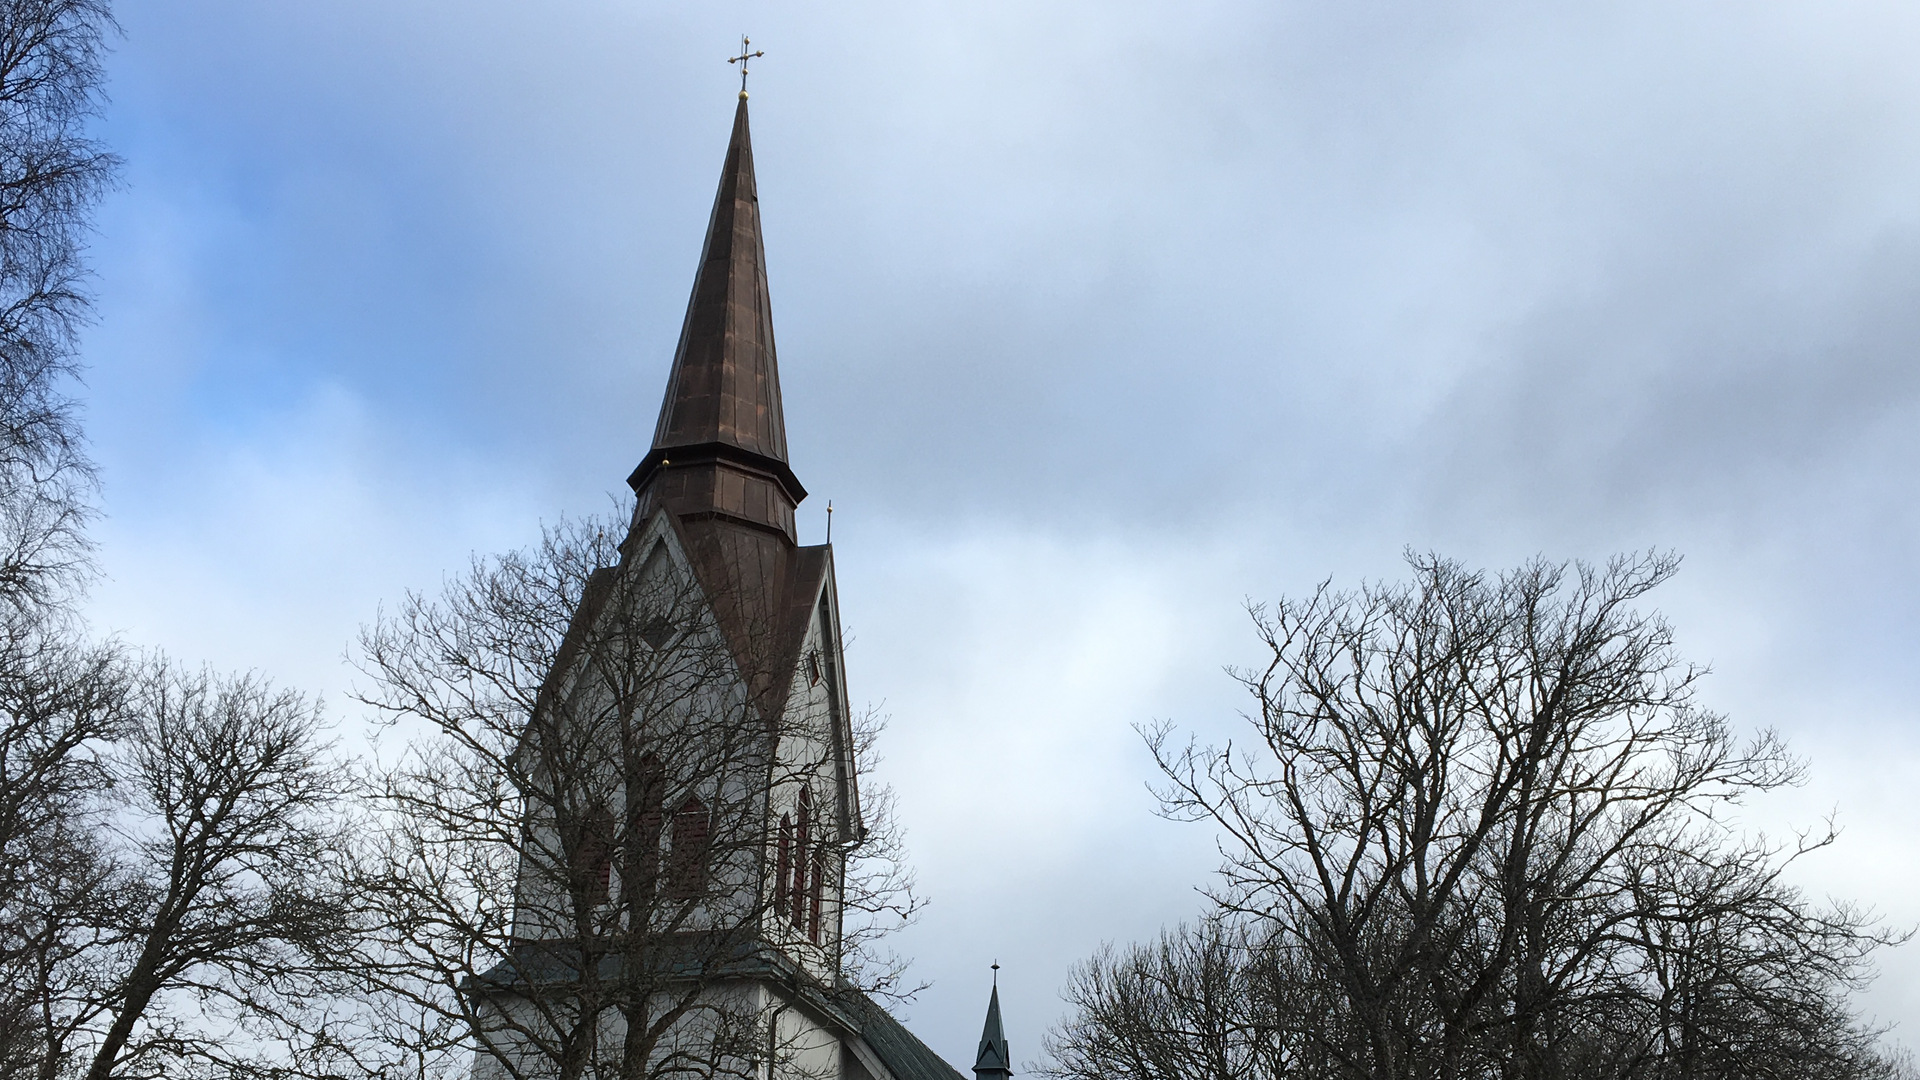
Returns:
point(712, 453)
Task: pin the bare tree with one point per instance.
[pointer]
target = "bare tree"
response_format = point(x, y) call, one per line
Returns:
point(1483, 824)
point(1205, 1002)
point(575, 868)
point(58, 695)
point(223, 894)
point(164, 836)
point(59, 704)
point(51, 176)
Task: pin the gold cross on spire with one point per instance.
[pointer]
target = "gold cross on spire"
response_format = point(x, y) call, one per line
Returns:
point(742, 61)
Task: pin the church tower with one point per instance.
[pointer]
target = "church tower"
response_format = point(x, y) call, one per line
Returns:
point(694, 747)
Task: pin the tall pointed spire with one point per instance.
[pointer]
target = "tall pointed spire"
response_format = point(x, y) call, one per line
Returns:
point(720, 447)
point(994, 1061)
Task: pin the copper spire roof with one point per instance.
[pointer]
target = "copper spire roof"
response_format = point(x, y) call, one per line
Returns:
point(718, 466)
point(721, 444)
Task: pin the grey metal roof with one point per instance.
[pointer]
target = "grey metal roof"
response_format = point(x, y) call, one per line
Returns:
point(904, 1055)
point(994, 1059)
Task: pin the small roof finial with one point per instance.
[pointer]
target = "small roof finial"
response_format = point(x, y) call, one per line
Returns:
point(996, 974)
point(742, 61)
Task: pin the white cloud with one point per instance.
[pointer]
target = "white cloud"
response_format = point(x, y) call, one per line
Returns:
point(1095, 320)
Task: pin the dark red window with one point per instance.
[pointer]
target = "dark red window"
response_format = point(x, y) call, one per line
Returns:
point(687, 861)
point(590, 864)
point(646, 823)
point(819, 878)
point(797, 899)
point(783, 871)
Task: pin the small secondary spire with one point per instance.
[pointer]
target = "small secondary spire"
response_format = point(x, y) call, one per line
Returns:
point(742, 59)
point(994, 1061)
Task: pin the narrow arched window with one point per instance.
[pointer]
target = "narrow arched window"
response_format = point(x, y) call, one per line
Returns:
point(590, 860)
point(687, 861)
point(646, 825)
point(819, 882)
point(803, 841)
point(783, 864)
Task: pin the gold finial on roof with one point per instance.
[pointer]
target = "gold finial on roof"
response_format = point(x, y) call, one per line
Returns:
point(742, 61)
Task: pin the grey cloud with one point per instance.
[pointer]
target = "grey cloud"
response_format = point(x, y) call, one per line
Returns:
point(1253, 293)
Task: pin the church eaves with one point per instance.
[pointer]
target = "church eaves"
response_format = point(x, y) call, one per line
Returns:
point(720, 448)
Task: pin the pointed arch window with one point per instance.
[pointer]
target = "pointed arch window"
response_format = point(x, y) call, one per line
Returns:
point(687, 860)
point(590, 860)
point(646, 827)
point(819, 880)
point(783, 863)
point(803, 843)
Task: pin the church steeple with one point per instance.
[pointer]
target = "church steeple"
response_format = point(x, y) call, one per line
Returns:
point(720, 447)
point(994, 1061)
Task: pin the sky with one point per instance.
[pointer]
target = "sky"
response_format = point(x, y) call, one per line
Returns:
point(1096, 321)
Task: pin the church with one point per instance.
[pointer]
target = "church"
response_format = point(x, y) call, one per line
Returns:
point(694, 910)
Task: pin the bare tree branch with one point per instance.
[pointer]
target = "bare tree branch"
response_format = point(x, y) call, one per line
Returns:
point(1480, 831)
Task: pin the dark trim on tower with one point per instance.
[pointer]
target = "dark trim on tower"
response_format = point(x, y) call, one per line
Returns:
point(709, 453)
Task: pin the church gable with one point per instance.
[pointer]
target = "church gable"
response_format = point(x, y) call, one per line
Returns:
point(644, 761)
point(819, 694)
point(814, 801)
point(811, 813)
point(763, 596)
